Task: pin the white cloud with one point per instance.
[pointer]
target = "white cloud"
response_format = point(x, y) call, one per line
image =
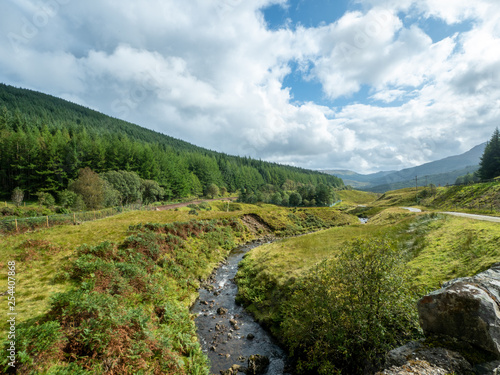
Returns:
point(210, 72)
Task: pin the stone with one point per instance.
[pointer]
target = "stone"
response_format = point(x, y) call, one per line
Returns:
point(414, 368)
point(467, 309)
point(221, 311)
point(257, 364)
point(490, 368)
point(442, 360)
point(235, 368)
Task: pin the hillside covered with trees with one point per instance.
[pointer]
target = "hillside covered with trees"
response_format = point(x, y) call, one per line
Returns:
point(47, 142)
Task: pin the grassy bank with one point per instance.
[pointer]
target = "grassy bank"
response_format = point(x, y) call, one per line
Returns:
point(433, 248)
point(87, 306)
point(477, 198)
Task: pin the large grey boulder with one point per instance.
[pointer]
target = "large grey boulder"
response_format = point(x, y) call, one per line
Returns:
point(467, 309)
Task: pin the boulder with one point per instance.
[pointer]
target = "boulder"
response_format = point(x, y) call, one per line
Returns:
point(467, 309)
point(441, 360)
point(257, 364)
point(221, 311)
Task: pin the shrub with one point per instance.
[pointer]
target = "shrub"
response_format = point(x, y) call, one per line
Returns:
point(7, 211)
point(45, 199)
point(17, 196)
point(349, 311)
point(67, 198)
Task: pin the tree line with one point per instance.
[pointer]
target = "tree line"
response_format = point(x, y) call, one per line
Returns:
point(47, 142)
point(489, 166)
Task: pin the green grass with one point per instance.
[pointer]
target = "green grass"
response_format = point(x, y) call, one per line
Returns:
point(455, 247)
point(36, 278)
point(355, 197)
point(476, 198)
point(126, 303)
point(72, 263)
point(401, 197)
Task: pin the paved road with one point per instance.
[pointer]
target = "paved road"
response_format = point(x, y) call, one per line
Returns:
point(412, 209)
point(493, 219)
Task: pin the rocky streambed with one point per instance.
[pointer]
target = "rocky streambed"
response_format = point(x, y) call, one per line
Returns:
point(229, 335)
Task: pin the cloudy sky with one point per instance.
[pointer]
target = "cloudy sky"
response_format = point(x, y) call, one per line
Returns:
point(365, 85)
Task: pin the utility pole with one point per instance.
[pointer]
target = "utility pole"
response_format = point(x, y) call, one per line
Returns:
point(416, 189)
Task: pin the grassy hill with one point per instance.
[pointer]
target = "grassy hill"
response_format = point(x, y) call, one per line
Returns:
point(45, 141)
point(91, 307)
point(294, 287)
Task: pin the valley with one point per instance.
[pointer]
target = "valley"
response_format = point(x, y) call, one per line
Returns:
point(71, 260)
point(138, 253)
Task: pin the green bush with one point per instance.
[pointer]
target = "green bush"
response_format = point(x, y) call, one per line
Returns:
point(45, 199)
point(7, 211)
point(349, 311)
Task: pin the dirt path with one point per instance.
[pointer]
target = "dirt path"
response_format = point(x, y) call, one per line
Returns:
point(184, 204)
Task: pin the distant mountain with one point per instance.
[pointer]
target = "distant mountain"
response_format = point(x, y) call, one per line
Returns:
point(439, 172)
point(439, 179)
point(357, 180)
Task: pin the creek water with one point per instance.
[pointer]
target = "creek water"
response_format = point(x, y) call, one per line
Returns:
point(224, 334)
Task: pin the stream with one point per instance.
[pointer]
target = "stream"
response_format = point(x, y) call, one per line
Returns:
point(227, 333)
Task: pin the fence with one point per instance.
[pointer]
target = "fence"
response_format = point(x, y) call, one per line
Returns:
point(31, 223)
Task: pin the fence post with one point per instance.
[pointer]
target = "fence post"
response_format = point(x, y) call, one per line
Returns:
point(16, 224)
point(94, 216)
point(47, 221)
point(74, 218)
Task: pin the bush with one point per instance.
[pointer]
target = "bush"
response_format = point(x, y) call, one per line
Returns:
point(348, 312)
point(7, 211)
point(17, 196)
point(79, 204)
point(45, 199)
point(67, 198)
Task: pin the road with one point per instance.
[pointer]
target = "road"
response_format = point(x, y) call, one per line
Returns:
point(493, 219)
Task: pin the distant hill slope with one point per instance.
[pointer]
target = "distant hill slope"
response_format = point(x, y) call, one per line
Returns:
point(440, 179)
point(47, 109)
point(46, 140)
point(439, 172)
point(357, 180)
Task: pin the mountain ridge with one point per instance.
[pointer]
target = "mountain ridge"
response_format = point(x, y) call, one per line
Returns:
point(439, 172)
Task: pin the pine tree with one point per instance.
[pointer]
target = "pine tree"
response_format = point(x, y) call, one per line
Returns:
point(489, 167)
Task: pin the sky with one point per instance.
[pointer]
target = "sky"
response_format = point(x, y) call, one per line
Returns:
point(365, 85)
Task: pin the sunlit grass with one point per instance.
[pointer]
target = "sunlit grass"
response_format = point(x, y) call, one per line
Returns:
point(35, 277)
point(355, 197)
point(456, 247)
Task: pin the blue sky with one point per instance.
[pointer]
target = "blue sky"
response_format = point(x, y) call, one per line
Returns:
point(365, 85)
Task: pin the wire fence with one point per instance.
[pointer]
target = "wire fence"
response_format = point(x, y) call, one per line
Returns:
point(20, 225)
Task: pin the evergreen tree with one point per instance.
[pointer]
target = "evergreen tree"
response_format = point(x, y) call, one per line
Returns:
point(489, 167)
